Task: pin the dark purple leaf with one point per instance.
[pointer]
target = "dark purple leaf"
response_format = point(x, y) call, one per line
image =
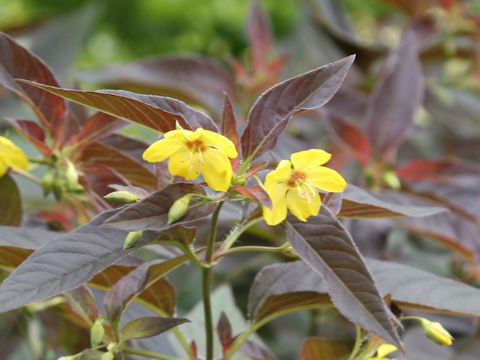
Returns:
point(229, 122)
point(18, 62)
point(396, 100)
point(66, 263)
point(81, 301)
point(148, 326)
point(272, 111)
point(259, 34)
point(152, 212)
point(10, 202)
point(256, 351)
point(33, 133)
point(330, 251)
point(158, 113)
point(254, 193)
point(224, 331)
point(100, 178)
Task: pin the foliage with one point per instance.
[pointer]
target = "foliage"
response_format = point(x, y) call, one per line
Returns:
point(354, 259)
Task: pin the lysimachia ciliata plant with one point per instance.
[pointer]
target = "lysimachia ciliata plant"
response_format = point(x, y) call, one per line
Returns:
point(206, 177)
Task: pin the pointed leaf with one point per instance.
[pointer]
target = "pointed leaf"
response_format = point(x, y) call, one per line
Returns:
point(33, 133)
point(259, 36)
point(417, 289)
point(158, 113)
point(329, 250)
point(323, 349)
point(151, 213)
point(18, 62)
point(396, 99)
point(224, 331)
point(66, 263)
point(272, 111)
point(229, 122)
point(359, 203)
point(82, 303)
point(255, 193)
point(255, 351)
point(442, 171)
point(197, 80)
point(10, 202)
point(143, 277)
point(148, 326)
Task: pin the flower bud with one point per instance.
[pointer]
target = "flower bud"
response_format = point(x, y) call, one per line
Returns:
point(107, 356)
point(97, 332)
point(57, 186)
point(179, 208)
point(436, 332)
point(122, 197)
point(391, 179)
point(131, 239)
point(71, 177)
point(69, 357)
point(47, 182)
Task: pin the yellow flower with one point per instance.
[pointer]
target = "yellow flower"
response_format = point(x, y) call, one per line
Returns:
point(196, 152)
point(11, 156)
point(383, 350)
point(436, 332)
point(292, 185)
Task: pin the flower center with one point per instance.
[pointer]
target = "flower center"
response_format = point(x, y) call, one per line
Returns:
point(296, 179)
point(196, 145)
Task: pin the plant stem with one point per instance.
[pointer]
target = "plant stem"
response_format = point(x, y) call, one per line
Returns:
point(27, 175)
point(237, 231)
point(148, 354)
point(358, 343)
point(269, 249)
point(207, 283)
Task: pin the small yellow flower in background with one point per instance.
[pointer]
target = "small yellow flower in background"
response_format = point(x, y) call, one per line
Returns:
point(192, 153)
point(383, 350)
point(11, 156)
point(293, 185)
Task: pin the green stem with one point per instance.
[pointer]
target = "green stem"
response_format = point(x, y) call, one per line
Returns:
point(358, 343)
point(27, 175)
point(148, 354)
point(237, 231)
point(207, 282)
point(240, 249)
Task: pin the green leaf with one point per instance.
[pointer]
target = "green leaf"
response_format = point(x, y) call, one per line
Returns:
point(359, 203)
point(148, 326)
point(66, 263)
point(323, 349)
point(330, 251)
point(152, 212)
point(311, 90)
point(10, 202)
point(158, 113)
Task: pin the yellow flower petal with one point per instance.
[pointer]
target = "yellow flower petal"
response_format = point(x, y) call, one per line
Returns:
point(304, 160)
point(303, 202)
point(281, 174)
point(385, 349)
point(212, 139)
point(12, 155)
point(217, 169)
point(185, 163)
point(326, 179)
point(162, 149)
point(278, 212)
point(3, 167)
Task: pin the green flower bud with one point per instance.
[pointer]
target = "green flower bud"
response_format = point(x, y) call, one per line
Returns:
point(112, 347)
point(436, 332)
point(47, 182)
point(179, 208)
point(122, 197)
point(57, 186)
point(239, 180)
point(69, 357)
point(107, 356)
point(97, 332)
point(71, 177)
point(391, 179)
point(131, 239)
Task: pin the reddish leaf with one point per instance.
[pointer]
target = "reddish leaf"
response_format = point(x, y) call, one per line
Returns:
point(82, 303)
point(396, 100)
point(148, 326)
point(10, 202)
point(224, 331)
point(273, 110)
point(152, 212)
point(18, 62)
point(158, 113)
point(33, 133)
point(259, 36)
point(100, 178)
point(350, 138)
point(198, 80)
point(97, 127)
point(330, 251)
point(443, 171)
point(254, 193)
point(229, 122)
point(100, 154)
point(323, 349)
